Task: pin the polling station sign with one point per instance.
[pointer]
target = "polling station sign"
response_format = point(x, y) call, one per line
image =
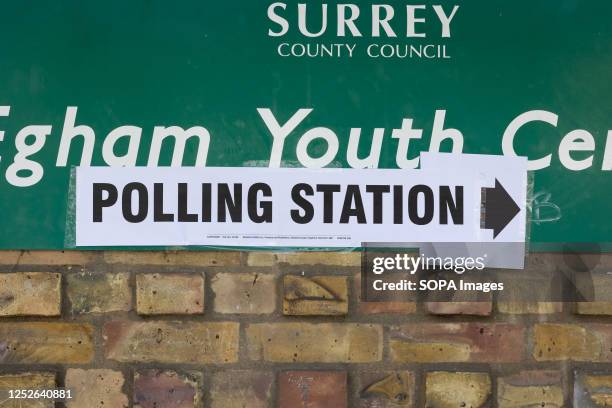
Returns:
point(294, 207)
point(308, 85)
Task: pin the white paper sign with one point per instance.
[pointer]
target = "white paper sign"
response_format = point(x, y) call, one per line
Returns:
point(509, 171)
point(288, 207)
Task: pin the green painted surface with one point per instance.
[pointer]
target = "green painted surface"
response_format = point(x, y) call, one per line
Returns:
point(149, 63)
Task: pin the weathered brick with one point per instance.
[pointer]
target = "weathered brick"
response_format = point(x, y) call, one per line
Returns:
point(308, 342)
point(242, 293)
point(601, 284)
point(46, 343)
point(169, 293)
point(391, 307)
point(27, 381)
point(583, 262)
point(532, 290)
point(530, 389)
point(563, 341)
point(304, 258)
point(95, 388)
point(316, 295)
point(174, 258)
point(460, 308)
point(30, 294)
point(544, 261)
point(387, 307)
point(312, 389)
point(460, 302)
point(167, 389)
point(171, 342)
point(594, 308)
point(457, 389)
point(592, 342)
point(99, 292)
point(529, 307)
point(241, 388)
point(386, 389)
point(457, 342)
point(55, 258)
point(592, 390)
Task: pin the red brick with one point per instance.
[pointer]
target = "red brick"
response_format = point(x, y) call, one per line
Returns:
point(167, 389)
point(95, 388)
point(457, 342)
point(460, 308)
point(312, 389)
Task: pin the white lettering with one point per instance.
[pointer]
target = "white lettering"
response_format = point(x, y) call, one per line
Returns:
point(577, 140)
point(133, 134)
point(302, 9)
point(439, 134)
point(404, 135)
point(284, 25)
point(378, 22)
point(279, 133)
point(520, 121)
point(69, 132)
point(317, 162)
point(21, 162)
point(445, 20)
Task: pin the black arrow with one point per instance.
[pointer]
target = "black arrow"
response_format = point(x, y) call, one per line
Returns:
point(500, 208)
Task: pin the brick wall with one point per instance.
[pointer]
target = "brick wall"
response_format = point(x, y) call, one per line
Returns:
point(259, 329)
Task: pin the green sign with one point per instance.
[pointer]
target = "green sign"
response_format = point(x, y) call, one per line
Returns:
point(311, 84)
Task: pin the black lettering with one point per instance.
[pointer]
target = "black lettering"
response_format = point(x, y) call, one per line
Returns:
point(448, 204)
point(328, 191)
point(348, 210)
point(398, 204)
point(413, 204)
point(143, 202)
point(99, 202)
point(226, 202)
point(266, 206)
point(304, 204)
point(377, 201)
point(158, 205)
point(183, 210)
point(206, 202)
